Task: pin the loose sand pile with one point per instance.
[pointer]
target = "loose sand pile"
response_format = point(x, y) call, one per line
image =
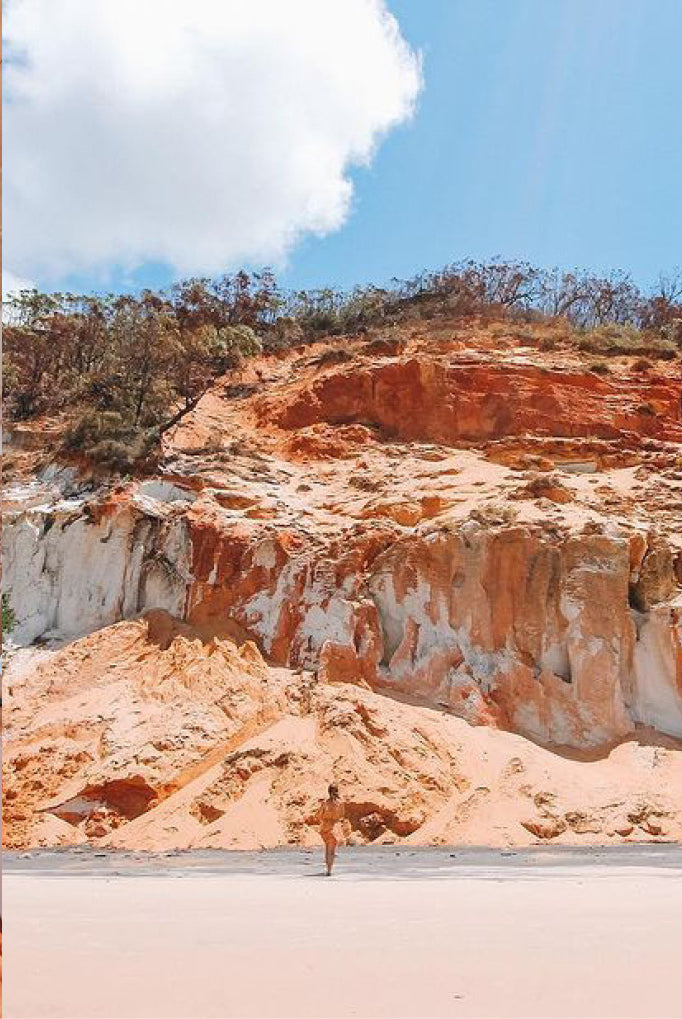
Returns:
point(146, 736)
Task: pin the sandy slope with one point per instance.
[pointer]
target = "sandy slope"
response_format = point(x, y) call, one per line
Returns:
point(151, 738)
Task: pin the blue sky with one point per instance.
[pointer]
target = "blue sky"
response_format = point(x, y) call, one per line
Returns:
point(547, 130)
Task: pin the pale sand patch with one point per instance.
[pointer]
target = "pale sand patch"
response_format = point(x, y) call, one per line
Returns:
point(575, 941)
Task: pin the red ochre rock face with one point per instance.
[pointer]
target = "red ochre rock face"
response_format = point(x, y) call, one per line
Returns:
point(425, 399)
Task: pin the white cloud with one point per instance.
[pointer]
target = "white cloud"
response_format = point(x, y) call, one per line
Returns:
point(201, 133)
point(12, 284)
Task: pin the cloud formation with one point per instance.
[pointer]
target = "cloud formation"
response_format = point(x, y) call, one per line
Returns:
point(12, 283)
point(201, 134)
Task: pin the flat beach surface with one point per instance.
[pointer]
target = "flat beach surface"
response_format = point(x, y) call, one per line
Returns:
point(395, 932)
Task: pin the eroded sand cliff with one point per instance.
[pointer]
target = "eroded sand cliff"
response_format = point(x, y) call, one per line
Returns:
point(487, 529)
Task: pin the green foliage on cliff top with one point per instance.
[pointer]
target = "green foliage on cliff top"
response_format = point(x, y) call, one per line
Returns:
point(126, 367)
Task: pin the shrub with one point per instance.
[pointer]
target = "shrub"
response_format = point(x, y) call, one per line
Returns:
point(110, 438)
point(613, 339)
point(95, 426)
point(626, 340)
point(672, 332)
point(285, 333)
point(663, 351)
point(8, 617)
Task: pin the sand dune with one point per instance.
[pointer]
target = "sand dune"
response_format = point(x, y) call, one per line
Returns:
point(152, 738)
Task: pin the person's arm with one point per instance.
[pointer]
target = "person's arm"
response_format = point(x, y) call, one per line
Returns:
point(316, 816)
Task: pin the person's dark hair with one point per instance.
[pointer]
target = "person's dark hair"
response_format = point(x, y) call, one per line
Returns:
point(333, 791)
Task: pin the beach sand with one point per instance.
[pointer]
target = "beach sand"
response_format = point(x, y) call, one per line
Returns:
point(586, 933)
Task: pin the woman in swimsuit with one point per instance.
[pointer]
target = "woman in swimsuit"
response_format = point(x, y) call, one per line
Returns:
point(330, 813)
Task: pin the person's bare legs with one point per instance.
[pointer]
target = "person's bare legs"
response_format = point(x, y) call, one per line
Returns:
point(329, 853)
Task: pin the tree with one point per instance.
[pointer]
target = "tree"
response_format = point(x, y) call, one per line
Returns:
point(200, 355)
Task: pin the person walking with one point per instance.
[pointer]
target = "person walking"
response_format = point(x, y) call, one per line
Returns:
point(330, 813)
